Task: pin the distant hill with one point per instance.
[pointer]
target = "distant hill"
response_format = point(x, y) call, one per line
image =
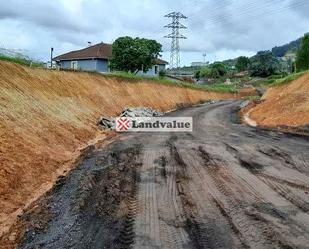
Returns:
point(281, 51)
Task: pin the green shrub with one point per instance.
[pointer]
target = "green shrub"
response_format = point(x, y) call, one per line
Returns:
point(21, 60)
point(162, 73)
point(264, 64)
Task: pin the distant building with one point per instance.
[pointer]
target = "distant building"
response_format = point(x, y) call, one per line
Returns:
point(96, 58)
point(199, 64)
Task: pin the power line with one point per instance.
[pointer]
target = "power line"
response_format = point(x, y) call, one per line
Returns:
point(253, 17)
point(175, 35)
point(253, 6)
point(224, 4)
point(252, 11)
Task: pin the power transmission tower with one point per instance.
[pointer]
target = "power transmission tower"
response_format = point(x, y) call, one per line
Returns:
point(175, 35)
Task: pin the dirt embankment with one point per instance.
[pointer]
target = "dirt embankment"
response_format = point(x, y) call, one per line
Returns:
point(285, 106)
point(47, 116)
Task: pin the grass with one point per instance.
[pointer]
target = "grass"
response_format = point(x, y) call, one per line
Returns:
point(21, 60)
point(277, 80)
point(288, 79)
point(219, 87)
point(251, 98)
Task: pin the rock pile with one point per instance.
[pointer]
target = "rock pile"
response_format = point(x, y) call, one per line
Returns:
point(244, 104)
point(140, 112)
point(110, 123)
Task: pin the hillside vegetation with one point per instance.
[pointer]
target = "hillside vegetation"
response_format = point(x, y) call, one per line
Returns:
point(293, 46)
point(46, 116)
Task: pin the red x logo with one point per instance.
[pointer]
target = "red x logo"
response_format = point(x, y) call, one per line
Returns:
point(123, 124)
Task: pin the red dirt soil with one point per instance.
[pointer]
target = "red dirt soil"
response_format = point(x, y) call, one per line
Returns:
point(285, 105)
point(47, 116)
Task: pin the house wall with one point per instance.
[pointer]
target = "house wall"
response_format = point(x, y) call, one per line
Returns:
point(87, 65)
point(151, 72)
point(102, 66)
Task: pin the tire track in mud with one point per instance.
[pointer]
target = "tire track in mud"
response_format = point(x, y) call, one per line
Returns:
point(285, 182)
point(204, 225)
point(193, 226)
point(212, 166)
point(171, 219)
point(159, 223)
point(219, 231)
point(208, 189)
point(278, 236)
point(245, 220)
point(279, 185)
point(94, 206)
point(286, 193)
point(127, 235)
point(147, 220)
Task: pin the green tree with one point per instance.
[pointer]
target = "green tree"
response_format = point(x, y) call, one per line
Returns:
point(205, 72)
point(134, 54)
point(217, 70)
point(302, 59)
point(197, 74)
point(264, 64)
point(242, 63)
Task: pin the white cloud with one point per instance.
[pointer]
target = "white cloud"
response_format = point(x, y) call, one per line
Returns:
point(222, 28)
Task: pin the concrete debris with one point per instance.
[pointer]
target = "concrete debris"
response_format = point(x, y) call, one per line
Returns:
point(208, 102)
point(107, 123)
point(110, 123)
point(244, 104)
point(140, 112)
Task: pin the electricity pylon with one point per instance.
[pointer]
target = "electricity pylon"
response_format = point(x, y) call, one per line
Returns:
point(175, 35)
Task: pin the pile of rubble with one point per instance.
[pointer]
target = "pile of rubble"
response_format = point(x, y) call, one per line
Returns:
point(110, 123)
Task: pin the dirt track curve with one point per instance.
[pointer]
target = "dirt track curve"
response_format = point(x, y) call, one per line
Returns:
point(226, 185)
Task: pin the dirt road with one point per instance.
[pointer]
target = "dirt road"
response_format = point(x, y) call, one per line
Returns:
point(226, 185)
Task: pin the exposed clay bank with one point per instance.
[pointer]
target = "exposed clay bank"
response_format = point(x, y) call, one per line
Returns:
point(47, 116)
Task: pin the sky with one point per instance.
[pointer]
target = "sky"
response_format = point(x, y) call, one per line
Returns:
point(222, 29)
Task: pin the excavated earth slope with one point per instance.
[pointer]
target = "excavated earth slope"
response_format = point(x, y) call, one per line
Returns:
point(286, 105)
point(47, 116)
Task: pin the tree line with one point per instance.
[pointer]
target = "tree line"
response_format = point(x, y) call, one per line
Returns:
point(263, 64)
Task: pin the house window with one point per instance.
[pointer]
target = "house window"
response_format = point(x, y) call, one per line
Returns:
point(156, 69)
point(74, 65)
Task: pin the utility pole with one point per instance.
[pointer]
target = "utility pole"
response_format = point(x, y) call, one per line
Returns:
point(175, 35)
point(51, 57)
point(204, 55)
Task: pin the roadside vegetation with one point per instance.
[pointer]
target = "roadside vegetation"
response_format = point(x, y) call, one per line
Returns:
point(22, 60)
point(277, 80)
point(218, 87)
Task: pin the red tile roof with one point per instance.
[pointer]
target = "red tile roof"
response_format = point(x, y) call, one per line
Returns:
point(98, 51)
